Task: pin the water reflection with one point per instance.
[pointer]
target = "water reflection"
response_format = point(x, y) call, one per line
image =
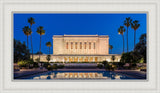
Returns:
point(80, 75)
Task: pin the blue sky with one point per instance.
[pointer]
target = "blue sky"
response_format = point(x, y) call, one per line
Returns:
point(79, 24)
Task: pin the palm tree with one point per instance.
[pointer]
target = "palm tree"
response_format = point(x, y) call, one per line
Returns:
point(41, 32)
point(121, 31)
point(110, 47)
point(135, 26)
point(27, 32)
point(127, 23)
point(48, 44)
point(31, 21)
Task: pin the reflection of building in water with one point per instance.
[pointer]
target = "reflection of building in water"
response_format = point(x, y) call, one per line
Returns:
point(72, 75)
point(80, 48)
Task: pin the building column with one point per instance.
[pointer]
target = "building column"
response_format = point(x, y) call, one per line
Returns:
point(78, 59)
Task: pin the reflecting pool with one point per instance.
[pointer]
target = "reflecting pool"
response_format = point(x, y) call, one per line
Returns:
point(78, 75)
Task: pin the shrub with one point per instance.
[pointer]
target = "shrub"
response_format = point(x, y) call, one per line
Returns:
point(110, 67)
point(121, 64)
point(114, 67)
point(133, 66)
point(55, 66)
point(30, 61)
point(46, 64)
point(49, 67)
point(22, 63)
point(105, 63)
point(100, 66)
point(60, 66)
point(35, 64)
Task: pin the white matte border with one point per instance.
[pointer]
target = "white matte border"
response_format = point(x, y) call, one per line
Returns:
point(9, 6)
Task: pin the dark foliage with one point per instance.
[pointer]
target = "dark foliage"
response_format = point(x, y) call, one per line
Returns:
point(105, 63)
point(100, 66)
point(138, 53)
point(113, 58)
point(21, 52)
point(48, 58)
point(141, 47)
point(46, 64)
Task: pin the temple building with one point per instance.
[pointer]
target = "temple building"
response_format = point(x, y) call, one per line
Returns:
point(80, 48)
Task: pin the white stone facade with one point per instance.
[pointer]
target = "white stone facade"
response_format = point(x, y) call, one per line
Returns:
point(80, 48)
point(80, 44)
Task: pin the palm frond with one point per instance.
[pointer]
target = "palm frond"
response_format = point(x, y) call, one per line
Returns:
point(31, 20)
point(40, 30)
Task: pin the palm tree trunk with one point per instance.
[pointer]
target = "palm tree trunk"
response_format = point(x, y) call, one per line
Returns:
point(40, 47)
point(134, 37)
point(123, 43)
point(111, 51)
point(27, 41)
point(49, 50)
point(127, 39)
point(31, 43)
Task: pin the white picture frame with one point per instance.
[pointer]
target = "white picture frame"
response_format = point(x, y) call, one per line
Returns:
point(152, 7)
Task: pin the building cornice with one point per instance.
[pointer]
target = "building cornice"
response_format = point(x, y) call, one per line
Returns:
point(63, 36)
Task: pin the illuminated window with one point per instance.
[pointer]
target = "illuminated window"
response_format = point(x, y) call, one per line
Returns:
point(94, 45)
point(96, 59)
point(89, 45)
point(65, 59)
point(80, 45)
point(76, 59)
point(85, 45)
point(67, 45)
point(76, 45)
point(81, 59)
point(71, 45)
point(86, 59)
point(91, 59)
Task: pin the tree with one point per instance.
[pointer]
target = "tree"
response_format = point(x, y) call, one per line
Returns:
point(48, 44)
point(110, 47)
point(48, 58)
point(41, 32)
point(121, 31)
point(139, 53)
point(126, 58)
point(105, 63)
point(135, 26)
point(27, 32)
point(141, 47)
point(21, 52)
point(127, 23)
point(113, 58)
point(31, 21)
